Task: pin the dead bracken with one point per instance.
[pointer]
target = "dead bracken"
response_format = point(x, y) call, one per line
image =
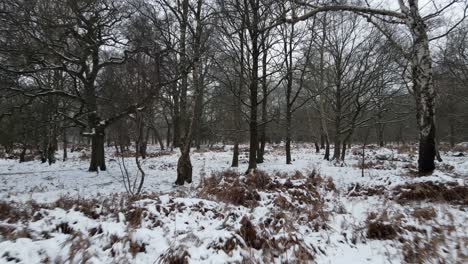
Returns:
point(430, 191)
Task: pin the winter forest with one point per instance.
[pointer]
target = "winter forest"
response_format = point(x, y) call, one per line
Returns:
point(233, 131)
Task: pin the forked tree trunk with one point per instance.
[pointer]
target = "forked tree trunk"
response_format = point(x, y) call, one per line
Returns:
point(184, 165)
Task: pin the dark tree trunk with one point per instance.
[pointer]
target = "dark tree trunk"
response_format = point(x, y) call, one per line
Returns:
point(423, 87)
point(184, 169)
point(168, 132)
point(427, 152)
point(343, 152)
point(253, 126)
point(263, 127)
point(97, 150)
point(452, 135)
point(326, 156)
point(288, 135)
point(288, 51)
point(184, 165)
point(65, 145)
point(337, 150)
point(158, 138)
point(235, 155)
point(22, 155)
point(317, 147)
point(380, 134)
point(176, 131)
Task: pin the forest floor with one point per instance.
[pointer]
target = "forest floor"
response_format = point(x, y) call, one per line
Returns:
point(313, 211)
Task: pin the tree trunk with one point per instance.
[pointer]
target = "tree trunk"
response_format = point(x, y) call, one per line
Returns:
point(254, 34)
point(158, 138)
point(238, 99)
point(380, 132)
point(184, 63)
point(65, 144)
point(323, 116)
point(343, 152)
point(317, 147)
point(337, 150)
point(423, 88)
point(97, 150)
point(184, 169)
point(327, 149)
point(452, 135)
point(288, 135)
point(235, 155)
point(184, 165)
point(263, 127)
point(22, 155)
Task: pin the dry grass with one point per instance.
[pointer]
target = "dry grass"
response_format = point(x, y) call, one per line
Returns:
point(176, 255)
point(381, 226)
point(227, 187)
point(433, 192)
point(359, 190)
point(424, 214)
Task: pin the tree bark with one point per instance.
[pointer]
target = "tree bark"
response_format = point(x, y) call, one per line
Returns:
point(317, 147)
point(423, 88)
point(65, 144)
point(237, 98)
point(263, 127)
point(254, 34)
point(184, 165)
point(452, 135)
point(97, 150)
point(323, 116)
point(343, 152)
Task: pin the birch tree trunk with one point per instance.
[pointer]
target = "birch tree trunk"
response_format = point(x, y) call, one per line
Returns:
point(423, 86)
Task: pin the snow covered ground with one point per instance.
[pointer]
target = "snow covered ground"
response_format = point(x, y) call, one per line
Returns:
point(313, 211)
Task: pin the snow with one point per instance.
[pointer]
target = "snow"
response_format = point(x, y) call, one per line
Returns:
point(175, 218)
